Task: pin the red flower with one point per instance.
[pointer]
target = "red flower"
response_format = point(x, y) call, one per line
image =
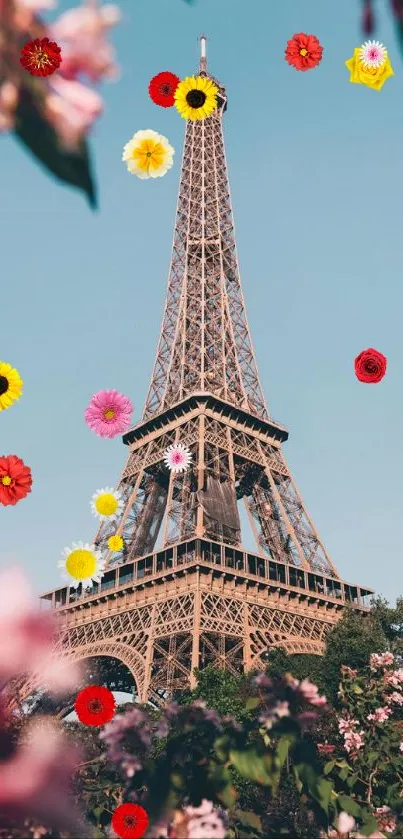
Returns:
point(370, 366)
point(95, 705)
point(325, 748)
point(41, 57)
point(303, 51)
point(15, 480)
point(130, 821)
point(162, 88)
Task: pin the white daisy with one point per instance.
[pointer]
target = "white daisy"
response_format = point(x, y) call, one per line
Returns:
point(82, 563)
point(373, 54)
point(107, 503)
point(177, 458)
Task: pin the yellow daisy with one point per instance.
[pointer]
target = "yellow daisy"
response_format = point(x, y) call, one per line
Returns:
point(10, 385)
point(115, 543)
point(196, 97)
point(106, 503)
point(83, 564)
point(371, 76)
point(148, 154)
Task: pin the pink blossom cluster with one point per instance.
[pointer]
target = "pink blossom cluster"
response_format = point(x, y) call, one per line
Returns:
point(394, 678)
point(310, 692)
point(386, 820)
point(34, 776)
point(382, 660)
point(204, 822)
point(353, 740)
point(379, 715)
point(69, 106)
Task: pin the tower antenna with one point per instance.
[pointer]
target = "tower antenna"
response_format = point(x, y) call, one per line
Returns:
point(203, 54)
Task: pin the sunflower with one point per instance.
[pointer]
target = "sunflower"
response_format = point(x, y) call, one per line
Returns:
point(82, 564)
point(196, 97)
point(10, 385)
point(148, 154)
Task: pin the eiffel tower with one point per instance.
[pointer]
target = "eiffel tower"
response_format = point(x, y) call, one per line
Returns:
point(184, 592)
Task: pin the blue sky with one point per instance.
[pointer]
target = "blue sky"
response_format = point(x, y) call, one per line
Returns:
point(316, 171)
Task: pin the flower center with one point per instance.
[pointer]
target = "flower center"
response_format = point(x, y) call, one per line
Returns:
point(6, 480)
point(41, 58)
point(130, 821)
point(95, 706)
point(196, 98)
point(148, 154)
point(177, 457)
point(4, 385)
point(109, 414)
point(81, 564)
point(106, 504)
point(303, 52)
point(371, 366)
point(165, 89)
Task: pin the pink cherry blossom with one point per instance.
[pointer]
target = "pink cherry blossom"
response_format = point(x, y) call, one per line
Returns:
point(8, 102)
point(82, 34)
point(395, 697)
point(353, 741)
point(204, 822)
point(72, 109)
point(310, 692)
point(377, 661)
point(379, 715)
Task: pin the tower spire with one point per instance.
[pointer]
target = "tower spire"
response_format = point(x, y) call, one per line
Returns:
point(203, 54)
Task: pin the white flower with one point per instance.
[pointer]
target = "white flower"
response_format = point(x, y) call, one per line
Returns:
point(373, 54)
point(107, 503)
point(345, 823)
point(177, 458)
point(83, 564)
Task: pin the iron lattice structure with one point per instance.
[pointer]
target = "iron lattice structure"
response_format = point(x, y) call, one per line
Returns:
point(183, 592)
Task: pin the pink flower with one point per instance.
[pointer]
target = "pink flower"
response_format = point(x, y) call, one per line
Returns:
point(177, 458)
point(395, 697)
point(30, 635)
point(310, 692)
point(383, 660)
point(325, 748)
point(8, 103)
point(37, 5)
point(386, 820)
point(401, 746)
point(34, 780)
point(204, 822)
point(353, 741)
point(82, 32)
point(347, 724)
point(72, 109)
point(345, 823)
point(379, 715)
point(109, 413)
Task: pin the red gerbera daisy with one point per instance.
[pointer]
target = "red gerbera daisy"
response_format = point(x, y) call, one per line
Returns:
point(41, 57)
point(15, 479)
point(95, 705)
point(303, 51)
point(162, 88)
point(130, 821)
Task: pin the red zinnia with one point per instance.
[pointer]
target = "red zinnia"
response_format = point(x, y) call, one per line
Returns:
point(162, 88)
point(130, 821)
point(370, 366)
point(95, 705)
point(41, 57)
point(303, 51)
point(15, 480)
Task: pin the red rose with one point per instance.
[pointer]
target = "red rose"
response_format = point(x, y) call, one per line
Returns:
point(370, 366)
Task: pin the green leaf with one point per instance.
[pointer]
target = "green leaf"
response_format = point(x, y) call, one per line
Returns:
point(349, 805)
point(329, 766)
point(319, 788)
point(357, 689)
point(369, 823)
point(282, 750)
point(32, 129)
point(248, 818)
point(344, 773)
point(252, 703)
point(253, 766)
point(228, 796)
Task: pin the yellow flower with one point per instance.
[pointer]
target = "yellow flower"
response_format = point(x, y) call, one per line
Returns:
point(82, 564)
point(148, 154)
point(115, 543)
point(10, 385)
point(196, 97)
point(370, 76)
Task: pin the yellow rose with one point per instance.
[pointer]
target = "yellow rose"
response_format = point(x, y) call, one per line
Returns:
point(370, 76)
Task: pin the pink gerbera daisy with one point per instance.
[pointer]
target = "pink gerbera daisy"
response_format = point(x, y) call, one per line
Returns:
point(109, 413)
point(177, 458)
point(373, 54)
